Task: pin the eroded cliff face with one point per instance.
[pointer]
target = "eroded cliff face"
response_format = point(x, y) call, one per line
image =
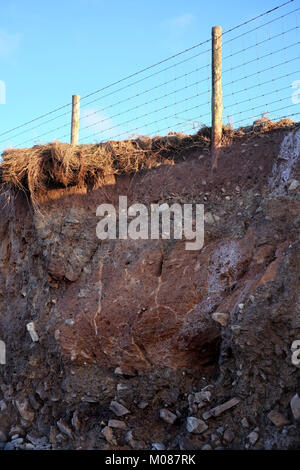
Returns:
point(150, 324)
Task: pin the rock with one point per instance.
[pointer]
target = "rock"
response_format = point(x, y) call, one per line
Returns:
point(158, 446)
point(64, 428)
point(29, 446)
point(118, 409)
point(203, 396)
point(228, 435)
point(3, 405)
point(253, 437)
point(196, 398)
point(115, 423)
point(295, 407)
point(277, 419)
point(142, 405)
point(236, 329)
point(129, 439)
point(41, 392)
point(245, 422)
point(167, 416)
point(195, 425)
point(7, 390)
point(9, 446)
point(125, 371)
point(215, 439)
point(37, 440)
point(43, 447)
point(32, 331)
point(76, 421)
point(132, 442)
point(61, 438)
point(16, 430)
point(17, 442)
point(3, 436)
point(109, 435)
point(293, 185)
point(89, 399)
point(2, 352)
point(221, 318)
point(218, 410)
point(24, 409)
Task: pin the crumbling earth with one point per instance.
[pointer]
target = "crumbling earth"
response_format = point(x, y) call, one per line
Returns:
point(143, 344)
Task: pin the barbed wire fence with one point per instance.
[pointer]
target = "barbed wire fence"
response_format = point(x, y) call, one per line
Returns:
point(260, 67)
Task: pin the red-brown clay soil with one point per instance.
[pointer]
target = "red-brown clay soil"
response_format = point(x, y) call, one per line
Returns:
point(136, 321)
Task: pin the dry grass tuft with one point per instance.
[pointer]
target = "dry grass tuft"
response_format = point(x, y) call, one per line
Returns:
point(36, 170)
point(260, 126)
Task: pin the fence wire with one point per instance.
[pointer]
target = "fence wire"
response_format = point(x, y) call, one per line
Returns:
point(261, 70)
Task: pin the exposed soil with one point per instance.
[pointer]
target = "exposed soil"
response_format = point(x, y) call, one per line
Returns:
point(167, 333)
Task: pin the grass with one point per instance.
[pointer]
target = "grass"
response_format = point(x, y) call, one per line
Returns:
point(37, 169)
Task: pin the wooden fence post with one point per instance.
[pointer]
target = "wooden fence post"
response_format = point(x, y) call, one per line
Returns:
point(217, 99)
point(75, 119)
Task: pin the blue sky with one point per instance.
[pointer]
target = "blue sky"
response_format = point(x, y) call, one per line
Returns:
point(50, 50)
